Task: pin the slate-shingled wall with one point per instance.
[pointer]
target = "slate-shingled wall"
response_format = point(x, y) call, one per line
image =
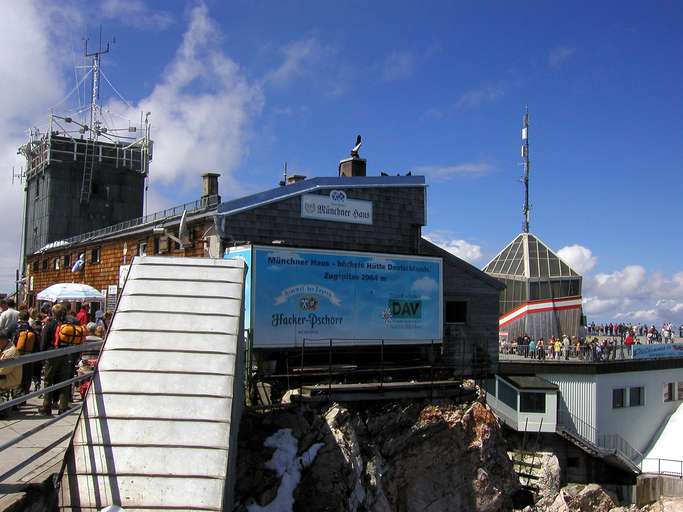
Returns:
point(471, 348)
point(398, 215)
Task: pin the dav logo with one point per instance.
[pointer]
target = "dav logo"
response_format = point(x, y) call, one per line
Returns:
point(338, 196)
point(405, 308)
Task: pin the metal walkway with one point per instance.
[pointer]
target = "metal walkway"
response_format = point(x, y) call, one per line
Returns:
point(155, 430)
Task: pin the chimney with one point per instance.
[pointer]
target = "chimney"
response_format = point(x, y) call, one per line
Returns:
point(354, 165)
point(295, 178)
point(210, 184)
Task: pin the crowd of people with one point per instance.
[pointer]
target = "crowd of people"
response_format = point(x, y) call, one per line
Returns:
point(25, 330)
point(604, 342)
point(665, 334)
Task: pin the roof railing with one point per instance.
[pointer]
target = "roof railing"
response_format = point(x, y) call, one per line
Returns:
point(195, 206)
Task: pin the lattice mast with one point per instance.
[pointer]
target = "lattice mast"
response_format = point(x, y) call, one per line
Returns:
point(527, 167)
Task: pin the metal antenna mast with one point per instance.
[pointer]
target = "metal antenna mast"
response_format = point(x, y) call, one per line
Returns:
point(527, 166)
point(94, 122)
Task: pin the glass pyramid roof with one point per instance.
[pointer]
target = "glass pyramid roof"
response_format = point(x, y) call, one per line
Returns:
point(528, 257)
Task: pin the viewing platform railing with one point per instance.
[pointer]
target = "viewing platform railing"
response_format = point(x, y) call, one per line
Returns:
point(93, 346)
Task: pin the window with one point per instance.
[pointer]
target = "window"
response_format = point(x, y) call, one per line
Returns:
point(456, 312)
point(618, 398)
point(37, 182)
point(43, 265)
point(532, 402)
point(35, 266)
point(55, 264)
point(636, 396)
point(95, 255)
point(489, 386)
point(67, 260)
point(669, 392)
point(142, 248)
point(156, 245)
point(507, 395)
point(679, 396)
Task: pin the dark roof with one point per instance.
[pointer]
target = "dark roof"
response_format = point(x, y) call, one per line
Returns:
point(301, 187)
point(529, 382)
point(529, 257)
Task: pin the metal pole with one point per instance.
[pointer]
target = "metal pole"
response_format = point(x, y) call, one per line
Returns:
point(381, 365)
point(329, 372)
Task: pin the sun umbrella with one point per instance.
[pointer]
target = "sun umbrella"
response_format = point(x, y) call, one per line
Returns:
point(70, 292)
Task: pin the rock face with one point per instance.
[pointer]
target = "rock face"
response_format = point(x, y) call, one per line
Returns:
point(395, 457)
point(665, 505)
point(583, 498)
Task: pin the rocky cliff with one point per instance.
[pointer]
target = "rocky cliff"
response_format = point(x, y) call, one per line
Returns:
point(413, 456)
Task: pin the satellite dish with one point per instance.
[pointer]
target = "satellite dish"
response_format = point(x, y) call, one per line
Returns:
point(183, 232)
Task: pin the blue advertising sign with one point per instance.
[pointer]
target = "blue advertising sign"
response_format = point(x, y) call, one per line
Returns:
point(243, 253)
point(658, 350)
point(364, 298)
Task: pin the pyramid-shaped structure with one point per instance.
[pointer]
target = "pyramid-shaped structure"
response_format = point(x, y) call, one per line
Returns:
point(542, 295)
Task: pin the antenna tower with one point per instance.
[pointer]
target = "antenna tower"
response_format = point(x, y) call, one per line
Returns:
point(527, 166)
point(95, 93)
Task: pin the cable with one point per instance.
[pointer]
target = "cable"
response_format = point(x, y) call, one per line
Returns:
point(116, 91)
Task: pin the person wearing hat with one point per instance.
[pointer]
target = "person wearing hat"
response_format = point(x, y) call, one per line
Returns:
point(10, 376)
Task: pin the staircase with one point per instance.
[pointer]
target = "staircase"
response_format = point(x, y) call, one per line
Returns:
point(158, 428)
point(611, 447)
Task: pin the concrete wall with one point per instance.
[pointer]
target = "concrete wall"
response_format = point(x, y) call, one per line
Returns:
point(638, 424)
point(650, 487)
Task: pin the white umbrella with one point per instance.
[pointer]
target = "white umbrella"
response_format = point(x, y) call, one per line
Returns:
point(70, 292)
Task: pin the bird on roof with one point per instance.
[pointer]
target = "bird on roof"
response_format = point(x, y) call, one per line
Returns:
point(356, 148)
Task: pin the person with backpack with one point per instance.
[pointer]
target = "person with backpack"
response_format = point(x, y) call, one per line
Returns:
point(25, 341)
point(58, 333)
point(10, 376)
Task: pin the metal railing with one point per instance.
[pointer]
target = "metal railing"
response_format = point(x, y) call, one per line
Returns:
point(319, 365)
point(592, 436)
point(670, 467)
point(584, 354)
point(93, 346)
point(195, 206)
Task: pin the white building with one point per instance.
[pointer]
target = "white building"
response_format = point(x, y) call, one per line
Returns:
point(608, 407)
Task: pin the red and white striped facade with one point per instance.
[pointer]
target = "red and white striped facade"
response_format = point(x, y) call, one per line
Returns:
point(551, 317)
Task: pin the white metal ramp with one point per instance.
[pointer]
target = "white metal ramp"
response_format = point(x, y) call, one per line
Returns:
point(158, 429)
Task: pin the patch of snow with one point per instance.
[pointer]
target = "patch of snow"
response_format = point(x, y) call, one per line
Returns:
point(287, 466)
point(667, 451)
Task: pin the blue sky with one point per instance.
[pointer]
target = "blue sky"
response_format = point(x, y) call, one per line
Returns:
point(436, 88)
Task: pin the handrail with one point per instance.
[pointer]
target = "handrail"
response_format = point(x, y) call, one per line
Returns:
point(90, 346)
point(666, 470)
point(590, 434)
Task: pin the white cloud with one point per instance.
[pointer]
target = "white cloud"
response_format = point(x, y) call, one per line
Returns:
point(424, 285)
point(33, 81)
point(398, 66)
point(580, 258)
point(201, 109)
point(461, 248)
point(445, 172)
point(476, 97)
point(135, 13)
point(297, 57)
point(559, 55)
